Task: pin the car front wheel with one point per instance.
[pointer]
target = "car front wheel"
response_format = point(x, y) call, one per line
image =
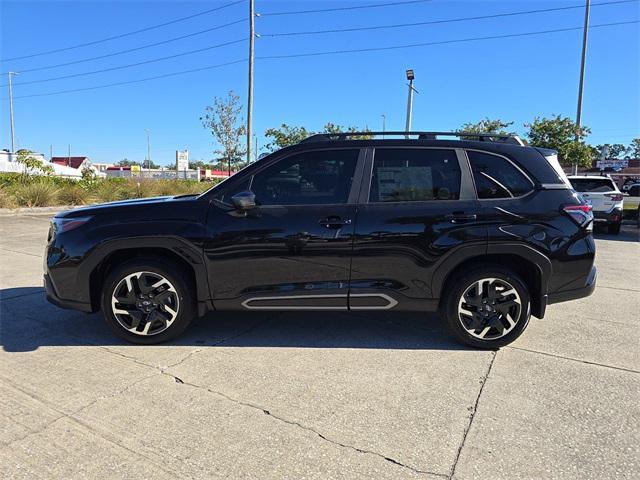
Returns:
point(488, 307)
point(147, 301)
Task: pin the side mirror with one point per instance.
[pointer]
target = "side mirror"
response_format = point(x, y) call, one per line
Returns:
point(244, 201)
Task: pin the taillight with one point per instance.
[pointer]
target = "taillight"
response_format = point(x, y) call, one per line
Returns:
point(581, 214)
point(616, 197)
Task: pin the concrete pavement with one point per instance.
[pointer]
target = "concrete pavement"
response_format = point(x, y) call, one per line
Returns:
point(276, 395)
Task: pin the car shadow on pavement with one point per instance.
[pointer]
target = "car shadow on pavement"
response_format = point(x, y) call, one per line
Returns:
point(28, 321)
point(629, 233)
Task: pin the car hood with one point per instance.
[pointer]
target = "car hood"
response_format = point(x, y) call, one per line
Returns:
point(123, 204)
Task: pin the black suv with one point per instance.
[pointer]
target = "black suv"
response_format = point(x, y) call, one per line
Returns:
point(481, 227)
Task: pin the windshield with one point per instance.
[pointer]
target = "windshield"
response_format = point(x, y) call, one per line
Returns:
point(592, 184)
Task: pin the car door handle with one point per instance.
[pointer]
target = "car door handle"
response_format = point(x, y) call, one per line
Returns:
point(334, 222)
point(459, 217)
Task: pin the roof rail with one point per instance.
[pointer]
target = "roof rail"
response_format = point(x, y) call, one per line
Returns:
point(482, 137)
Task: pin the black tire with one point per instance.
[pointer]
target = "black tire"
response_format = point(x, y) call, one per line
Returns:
point(614, 228)
point(466, 280)
point(178, 295)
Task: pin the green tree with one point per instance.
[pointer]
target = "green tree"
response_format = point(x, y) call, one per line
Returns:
point(563, 135)
point(633, 150)
point(223, 119)
point(32, 164)
point(614, 150)
point(487, 125)
point(333, 128)
point(284, 136)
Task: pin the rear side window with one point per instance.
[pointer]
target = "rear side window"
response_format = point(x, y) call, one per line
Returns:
point(414, 175)
point(592, 184)
point(496, 177)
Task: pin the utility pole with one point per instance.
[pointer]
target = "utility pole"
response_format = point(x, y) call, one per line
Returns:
point(255, 152)
point(384, 124)
point(50, 152)
point(250, 92)
point(585, 35)
point(410, 77)
point(13, 140)
point(148, 149)
point(69, 156)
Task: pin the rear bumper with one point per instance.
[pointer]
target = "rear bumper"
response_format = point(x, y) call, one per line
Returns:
point(53, 298)
point(612, 216)
point(576, 293)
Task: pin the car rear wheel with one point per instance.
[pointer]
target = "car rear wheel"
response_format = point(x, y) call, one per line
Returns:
point(614, 228)
point(147, 301)
point(488, 307)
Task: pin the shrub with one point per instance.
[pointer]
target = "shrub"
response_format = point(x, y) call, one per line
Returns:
point(73, 195)
point(36, 194)
point(6, 199)
point(109, 191)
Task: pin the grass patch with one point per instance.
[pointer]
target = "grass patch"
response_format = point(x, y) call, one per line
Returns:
point(18, 190)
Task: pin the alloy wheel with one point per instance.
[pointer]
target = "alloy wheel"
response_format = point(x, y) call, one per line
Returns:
point(145, 303)
point(489, 308)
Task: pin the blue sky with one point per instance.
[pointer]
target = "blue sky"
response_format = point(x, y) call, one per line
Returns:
point(513, 79)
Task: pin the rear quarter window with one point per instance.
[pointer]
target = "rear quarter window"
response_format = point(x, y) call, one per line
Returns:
point(497, 177)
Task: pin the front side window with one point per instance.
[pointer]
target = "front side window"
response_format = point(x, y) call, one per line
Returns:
point(496, 177)
point(310, 178)
point(414, 175)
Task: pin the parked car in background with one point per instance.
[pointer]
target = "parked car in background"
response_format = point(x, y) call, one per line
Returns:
point(484, 229)
point(605, 198)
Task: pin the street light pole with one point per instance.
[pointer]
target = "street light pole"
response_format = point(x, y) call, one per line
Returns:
point(13, 140)
point(250, 92)
point(148, 149)
point(585, 35)
point(410, 77)
point(384, 124)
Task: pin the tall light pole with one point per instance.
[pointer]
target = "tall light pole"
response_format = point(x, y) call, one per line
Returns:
point(148, 148)
point(585, 35)
point(250, 92)
point(384, 124)
point(13, 140)
point(410, 77)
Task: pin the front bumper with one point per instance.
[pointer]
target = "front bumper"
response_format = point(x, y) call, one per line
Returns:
point(566, 295)
point(53, 298)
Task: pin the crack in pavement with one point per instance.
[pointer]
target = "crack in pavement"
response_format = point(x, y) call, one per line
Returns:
point(103, 436)
point(21, 253)
point(303, 427)
point(472, 416)
point(604, 365)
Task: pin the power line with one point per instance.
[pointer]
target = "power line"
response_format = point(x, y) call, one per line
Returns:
point(435, 22)
point(332, 52)
point(356, 7)
point(129, 50)
point(172, 74)
point(136, 64)
point(121, 35)
point(444, 42)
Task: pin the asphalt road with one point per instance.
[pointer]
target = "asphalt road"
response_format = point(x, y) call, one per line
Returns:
point(325, 395)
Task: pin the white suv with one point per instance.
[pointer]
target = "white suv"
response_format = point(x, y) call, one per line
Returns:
point(605, 199)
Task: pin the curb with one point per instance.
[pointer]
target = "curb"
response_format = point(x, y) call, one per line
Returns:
point(35, 210)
